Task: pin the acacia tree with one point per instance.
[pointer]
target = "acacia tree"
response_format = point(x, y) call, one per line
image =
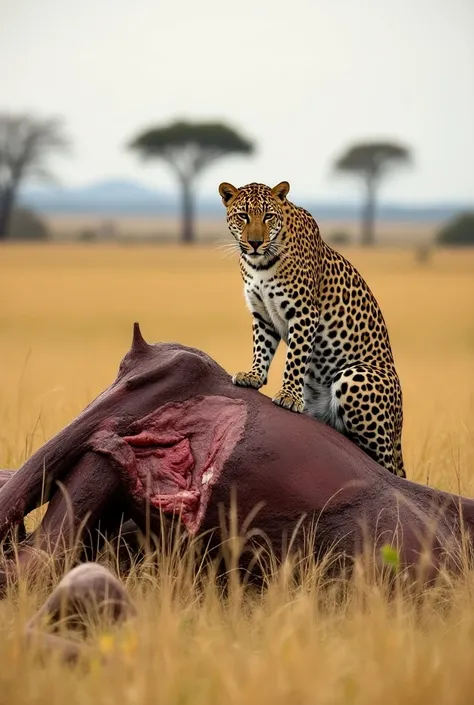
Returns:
point(371, 162)
point(25, 145)
point(189, 148)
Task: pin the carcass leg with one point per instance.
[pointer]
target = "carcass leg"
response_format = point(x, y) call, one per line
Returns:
point(91, 496)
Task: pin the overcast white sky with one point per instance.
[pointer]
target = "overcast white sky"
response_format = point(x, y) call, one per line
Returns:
point(303, 78)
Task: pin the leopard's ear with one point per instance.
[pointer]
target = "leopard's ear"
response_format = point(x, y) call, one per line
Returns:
point(228, 193)
point(281, 190)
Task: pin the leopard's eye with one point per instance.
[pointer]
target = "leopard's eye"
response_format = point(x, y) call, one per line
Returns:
point(268, 216)
point(243, 216)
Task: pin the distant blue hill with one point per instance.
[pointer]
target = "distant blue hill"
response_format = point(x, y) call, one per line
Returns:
point(117, 196)
point(126, 197)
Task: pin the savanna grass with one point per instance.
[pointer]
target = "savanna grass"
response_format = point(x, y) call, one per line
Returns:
point(65, 322)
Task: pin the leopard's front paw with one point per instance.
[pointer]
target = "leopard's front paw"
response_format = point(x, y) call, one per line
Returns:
point(248, 379)
point(289, 400)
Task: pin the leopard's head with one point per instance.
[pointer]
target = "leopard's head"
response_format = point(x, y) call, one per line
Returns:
point(255, 217)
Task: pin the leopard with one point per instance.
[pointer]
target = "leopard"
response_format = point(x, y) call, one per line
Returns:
point(339, 365)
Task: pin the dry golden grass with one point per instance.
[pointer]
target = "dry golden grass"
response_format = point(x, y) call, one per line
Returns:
point(66, 314)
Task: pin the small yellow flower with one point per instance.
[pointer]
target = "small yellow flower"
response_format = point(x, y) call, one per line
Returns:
point(129, 643)
point(95, 666)
point(106, 644)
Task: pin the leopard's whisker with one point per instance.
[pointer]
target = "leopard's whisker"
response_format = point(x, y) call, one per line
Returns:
point(228, 249)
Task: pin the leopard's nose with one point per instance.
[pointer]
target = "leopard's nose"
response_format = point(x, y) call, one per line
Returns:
point(255, 244)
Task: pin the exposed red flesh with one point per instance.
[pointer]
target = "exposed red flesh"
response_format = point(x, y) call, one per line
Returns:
point(176, 454)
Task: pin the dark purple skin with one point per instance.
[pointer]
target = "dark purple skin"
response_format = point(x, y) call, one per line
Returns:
point(5, 476)
point(304, 476)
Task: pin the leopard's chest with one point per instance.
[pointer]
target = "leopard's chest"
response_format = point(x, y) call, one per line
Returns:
point(267, 295)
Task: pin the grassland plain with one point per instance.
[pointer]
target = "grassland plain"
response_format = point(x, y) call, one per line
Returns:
point(70, 227)
point(66, 313)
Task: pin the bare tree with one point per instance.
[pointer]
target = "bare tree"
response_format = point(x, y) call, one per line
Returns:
point(25, 145)
point(371, 162)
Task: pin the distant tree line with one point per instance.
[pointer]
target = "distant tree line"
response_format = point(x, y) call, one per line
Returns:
point(188, 149)
point(459, 232)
